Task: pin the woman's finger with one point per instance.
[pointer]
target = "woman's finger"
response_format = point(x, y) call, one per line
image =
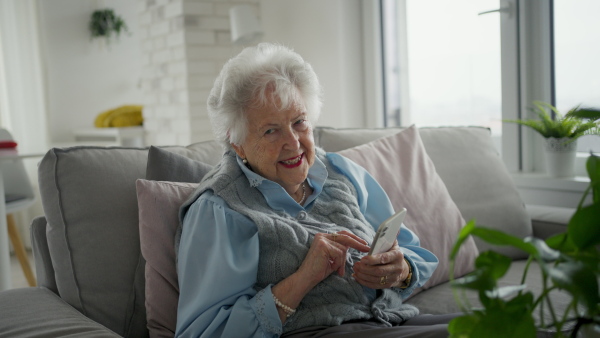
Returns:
point(330, 255)
point(377, 271)
point(376, 282)
point(349, 240)
point(350, 234)
point(388, 257)
point(378, 276)
point(382, 270)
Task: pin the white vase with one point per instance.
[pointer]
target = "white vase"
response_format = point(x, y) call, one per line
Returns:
point(560, 156)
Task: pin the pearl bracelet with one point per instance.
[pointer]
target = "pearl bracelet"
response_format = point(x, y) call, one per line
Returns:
point(288, 310)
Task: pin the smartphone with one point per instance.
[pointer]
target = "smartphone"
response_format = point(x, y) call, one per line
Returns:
point(387, 233)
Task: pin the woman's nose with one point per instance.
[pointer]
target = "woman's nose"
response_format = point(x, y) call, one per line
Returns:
point(292, 140)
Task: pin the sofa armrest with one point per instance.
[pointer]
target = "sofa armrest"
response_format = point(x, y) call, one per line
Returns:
point(41, 254)
point(548, 221)
point(38, 312)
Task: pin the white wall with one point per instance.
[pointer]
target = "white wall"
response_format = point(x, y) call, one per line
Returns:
point(82, 79)
point(328, 35)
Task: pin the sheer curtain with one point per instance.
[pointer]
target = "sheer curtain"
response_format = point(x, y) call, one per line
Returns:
point(22, 92)
point(22, 82)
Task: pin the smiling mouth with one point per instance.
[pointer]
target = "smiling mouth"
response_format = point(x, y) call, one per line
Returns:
point(292, 162)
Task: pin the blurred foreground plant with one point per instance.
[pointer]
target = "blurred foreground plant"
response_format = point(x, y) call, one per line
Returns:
point(569, 261)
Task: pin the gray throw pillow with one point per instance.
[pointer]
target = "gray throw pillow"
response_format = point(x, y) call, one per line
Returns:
point(164, 165)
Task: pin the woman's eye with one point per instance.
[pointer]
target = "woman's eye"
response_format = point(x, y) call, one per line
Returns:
point(301, 125)
point(269, 131)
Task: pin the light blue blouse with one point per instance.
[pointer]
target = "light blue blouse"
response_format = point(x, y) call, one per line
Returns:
point(219, 249)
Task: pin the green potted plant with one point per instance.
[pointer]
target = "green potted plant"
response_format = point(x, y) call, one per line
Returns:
point(104, 23)
point(561, 134)
point(569, 261)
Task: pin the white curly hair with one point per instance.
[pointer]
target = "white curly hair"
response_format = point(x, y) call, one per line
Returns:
point(259, 75)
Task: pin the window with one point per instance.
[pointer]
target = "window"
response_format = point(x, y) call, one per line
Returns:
point(442, 63)
point(576, 50)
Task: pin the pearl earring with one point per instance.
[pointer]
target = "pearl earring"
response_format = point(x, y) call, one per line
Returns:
point(245, 161)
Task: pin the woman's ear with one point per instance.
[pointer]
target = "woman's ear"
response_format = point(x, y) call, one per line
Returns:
point(239, 150)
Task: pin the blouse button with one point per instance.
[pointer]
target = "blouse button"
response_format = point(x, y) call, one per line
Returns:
point(301, 215)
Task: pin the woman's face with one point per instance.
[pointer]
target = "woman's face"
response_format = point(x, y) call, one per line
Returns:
point(279, 145)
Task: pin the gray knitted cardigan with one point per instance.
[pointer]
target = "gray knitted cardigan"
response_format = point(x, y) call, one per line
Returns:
point(285, 240)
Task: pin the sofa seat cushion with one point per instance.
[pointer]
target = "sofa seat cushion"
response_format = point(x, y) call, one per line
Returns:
point(400, 164)
point(549, 221)
point(38, 312)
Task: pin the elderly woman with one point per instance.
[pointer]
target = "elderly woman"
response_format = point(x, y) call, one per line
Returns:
point(275, 239)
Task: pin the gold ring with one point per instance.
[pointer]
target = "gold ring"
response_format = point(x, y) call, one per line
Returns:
point(334, 235)
point(383, 280)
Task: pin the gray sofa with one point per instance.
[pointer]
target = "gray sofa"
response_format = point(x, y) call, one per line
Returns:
point(87, 253)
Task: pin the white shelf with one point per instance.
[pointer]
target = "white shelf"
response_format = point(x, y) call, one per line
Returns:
point(541, 189)
point(543, 181)
point(123, 136)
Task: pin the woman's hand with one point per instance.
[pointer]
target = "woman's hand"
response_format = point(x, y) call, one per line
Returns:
point(383, 270)
point(328, 254)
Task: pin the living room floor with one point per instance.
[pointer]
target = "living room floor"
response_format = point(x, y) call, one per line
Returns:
point(18, 278)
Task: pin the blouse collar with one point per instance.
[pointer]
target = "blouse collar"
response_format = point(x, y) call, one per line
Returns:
point(277, 197)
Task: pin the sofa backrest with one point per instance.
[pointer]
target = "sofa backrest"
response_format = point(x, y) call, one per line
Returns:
point(90, 203)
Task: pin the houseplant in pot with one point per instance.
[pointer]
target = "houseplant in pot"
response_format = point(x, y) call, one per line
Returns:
point(569, 261)
point(561, 133)
point(105, 23)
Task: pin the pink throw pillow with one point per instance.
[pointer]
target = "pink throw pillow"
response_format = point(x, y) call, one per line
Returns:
point(158, 204)
point(401, 165)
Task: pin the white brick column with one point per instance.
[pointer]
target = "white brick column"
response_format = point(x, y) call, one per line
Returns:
point(184, 45)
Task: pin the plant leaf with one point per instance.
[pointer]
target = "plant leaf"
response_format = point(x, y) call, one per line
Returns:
point(464, 233)
point(505, 291)
point(502, 319)
point(577, 122)
point(489, 267)
point(479, 280)
point(463, 326)
point(561, 242)
point(579, 280)
point(584, 226)
point(545, 252)
point(493, 263)
point(593, 169)
point(585, 113)
point(500, 238)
